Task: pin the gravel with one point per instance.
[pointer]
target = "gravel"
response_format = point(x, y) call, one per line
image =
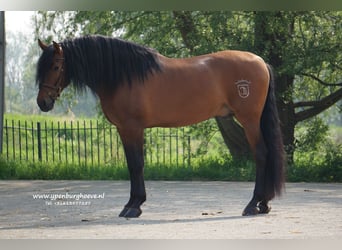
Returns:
point(173, 210)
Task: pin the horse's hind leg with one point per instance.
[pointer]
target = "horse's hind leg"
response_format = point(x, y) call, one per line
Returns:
point(259, 202)
point(132, 140)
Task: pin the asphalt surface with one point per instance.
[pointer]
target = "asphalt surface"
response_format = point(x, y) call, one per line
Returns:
point(173, 210)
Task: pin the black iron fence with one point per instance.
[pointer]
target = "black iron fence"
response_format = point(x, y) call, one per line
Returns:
point(89, 142)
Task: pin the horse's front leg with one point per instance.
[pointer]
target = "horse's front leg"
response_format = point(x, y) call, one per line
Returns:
point(132, 140)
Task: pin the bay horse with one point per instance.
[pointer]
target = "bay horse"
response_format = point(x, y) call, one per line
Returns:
point(139, 88)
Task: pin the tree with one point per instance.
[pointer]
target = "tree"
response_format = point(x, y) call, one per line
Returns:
point(15, 60)
point(303, 48)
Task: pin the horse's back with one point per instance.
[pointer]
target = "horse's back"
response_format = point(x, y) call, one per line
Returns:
point(190, 90)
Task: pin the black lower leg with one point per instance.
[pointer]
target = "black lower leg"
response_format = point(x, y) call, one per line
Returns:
point(135, 162)
point(255, 206)
point(258, 204)
point(137, 197)
point(263, 207)
point(251, 208)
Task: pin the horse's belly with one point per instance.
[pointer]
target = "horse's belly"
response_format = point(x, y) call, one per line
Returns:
point(184, 115)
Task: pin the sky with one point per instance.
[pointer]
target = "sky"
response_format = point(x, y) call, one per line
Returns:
point(19, 21)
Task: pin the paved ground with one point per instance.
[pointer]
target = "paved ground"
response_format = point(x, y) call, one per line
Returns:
point(181, 210)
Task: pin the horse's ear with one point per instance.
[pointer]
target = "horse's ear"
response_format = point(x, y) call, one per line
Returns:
point(42, 45)
point(57, 47)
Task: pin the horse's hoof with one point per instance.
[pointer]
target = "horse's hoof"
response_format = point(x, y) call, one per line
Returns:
point(250, 211)
point(130, 212)
point(123, 212)
point(264, 209)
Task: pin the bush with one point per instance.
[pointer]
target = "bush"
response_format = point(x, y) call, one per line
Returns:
point(324, 165)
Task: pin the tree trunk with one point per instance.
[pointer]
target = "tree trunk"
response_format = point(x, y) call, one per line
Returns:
point(287, 117)
point(234, 138)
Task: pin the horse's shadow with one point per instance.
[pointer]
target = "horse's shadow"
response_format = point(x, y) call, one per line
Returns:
point(183, 220)
point(121, 221)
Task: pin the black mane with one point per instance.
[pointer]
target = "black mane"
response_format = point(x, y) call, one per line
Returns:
point(101, 62)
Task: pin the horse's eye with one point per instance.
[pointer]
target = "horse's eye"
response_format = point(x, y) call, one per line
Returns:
point(55, 68)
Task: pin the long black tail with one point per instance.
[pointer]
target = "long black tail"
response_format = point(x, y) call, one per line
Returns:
point(270, 127)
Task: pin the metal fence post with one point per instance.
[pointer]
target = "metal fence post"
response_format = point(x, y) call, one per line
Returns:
point(39, 138)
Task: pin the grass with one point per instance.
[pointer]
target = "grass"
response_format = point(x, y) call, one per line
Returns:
point(209, 169)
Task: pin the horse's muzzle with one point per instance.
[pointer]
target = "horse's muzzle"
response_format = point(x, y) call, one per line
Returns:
point(46, 104)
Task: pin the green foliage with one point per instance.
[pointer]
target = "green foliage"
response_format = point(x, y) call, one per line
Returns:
point(312, 135)
point(206, 132)
point(318, 166)
point(318, 156)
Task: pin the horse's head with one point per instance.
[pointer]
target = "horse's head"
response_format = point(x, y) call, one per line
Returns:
point(50, 75)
